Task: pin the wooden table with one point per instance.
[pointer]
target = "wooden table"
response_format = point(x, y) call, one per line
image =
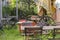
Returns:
point(44, 27)
point(45, 30)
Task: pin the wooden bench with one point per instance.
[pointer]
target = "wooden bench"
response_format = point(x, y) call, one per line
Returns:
point(33, 31)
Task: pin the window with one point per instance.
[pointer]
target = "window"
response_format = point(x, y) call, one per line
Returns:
point(57, 3)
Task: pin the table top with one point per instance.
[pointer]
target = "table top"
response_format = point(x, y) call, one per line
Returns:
point(44, 27)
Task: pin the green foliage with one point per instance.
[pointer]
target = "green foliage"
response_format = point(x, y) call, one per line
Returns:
point(25, 7)
point(6, 11)
point(14, 34)
point(13, 4)
point(29, 7)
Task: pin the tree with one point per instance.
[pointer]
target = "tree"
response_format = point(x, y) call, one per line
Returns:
point(25, 7)
point(28, 6)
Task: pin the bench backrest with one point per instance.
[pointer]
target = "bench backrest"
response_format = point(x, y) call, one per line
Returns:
point(33, 30)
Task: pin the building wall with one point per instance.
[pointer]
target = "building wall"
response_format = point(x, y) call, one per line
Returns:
point(58, 11)
point(44, 3)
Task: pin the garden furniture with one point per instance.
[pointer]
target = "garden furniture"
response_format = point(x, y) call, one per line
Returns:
point(34, 32)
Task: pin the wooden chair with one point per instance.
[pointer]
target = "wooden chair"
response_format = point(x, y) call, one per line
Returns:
point(33, 32)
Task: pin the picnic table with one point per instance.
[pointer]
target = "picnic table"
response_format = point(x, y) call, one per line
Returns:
point(47, 29)
point(44, 27)
point(21, 26)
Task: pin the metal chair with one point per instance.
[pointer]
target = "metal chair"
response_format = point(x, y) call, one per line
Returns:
point(47, 19)
point(32, 33)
